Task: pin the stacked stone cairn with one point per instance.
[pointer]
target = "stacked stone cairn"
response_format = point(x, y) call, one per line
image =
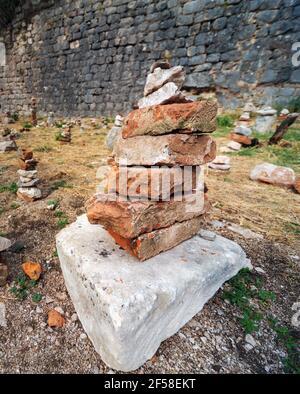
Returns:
point(115, 132)
point(65, 135)
point(33, 111)
point(240, 137)
point(7, 140)
point(28, 181)
point(266, 120)
point(167, 133)
point(50, 120)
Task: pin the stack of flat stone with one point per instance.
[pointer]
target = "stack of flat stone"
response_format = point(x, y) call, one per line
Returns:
point(265, 120)
point(115, 132)
point(242, 135)
point(33, 111)
point(7, 141)
point(146, 218)
point(221, 163)
point(65, 136)
point(28, 181)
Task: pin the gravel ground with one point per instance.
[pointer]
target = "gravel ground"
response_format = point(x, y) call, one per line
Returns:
point(212, 342)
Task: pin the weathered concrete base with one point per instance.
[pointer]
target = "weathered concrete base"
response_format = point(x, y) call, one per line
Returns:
point(127, 307)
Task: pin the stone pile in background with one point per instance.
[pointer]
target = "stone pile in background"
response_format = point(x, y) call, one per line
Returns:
point(33, 111)
point(276, 175)
point(284, 114)
point(7, 140)
point(115, 132)
point(28, 180)
point(173, 135)
point(221, 163)
point(241, 135)
point(4, 245)
point(297, 184)
point(265, 120)
point(65, 135)
point(50, 120)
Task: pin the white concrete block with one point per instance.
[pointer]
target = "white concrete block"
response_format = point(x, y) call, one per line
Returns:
point(128, 308)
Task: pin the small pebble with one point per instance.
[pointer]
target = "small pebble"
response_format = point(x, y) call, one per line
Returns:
point(259, 270)
point(250, 340)
point(59, 310)
point(207, 235)
point(74, 317)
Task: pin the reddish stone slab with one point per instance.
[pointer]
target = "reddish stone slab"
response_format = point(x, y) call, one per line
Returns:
point(130, 219)
point(170, 149)
point(199, 116)
point(241, 139)
point(151, 244)
point(297, 185)
point(154, 182)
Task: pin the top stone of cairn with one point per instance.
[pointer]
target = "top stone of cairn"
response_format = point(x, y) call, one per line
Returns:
point(163, 85)
point(160, 77)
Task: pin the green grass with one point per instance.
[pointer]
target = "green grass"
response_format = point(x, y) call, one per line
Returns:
point(62, 223)
point(107, 120)
point(14, 205)
point(15, 116)
point(61, 184)
point(58, 136)
point(63, 220)
point(246, 290)
point(59, 125)
point(247, 152)
point(55, 203)
point(225, 121)
point(11, 188)
point(2, 210)
point(44, 148)
point(59, 214)
point(22, 286)
point(222, 131)
point(293, 228)
point(284, 336)
point(27, 125)
point(276, 154)
point(36, 297)
point(293, 134)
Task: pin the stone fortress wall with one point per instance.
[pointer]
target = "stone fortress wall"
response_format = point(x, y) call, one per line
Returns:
point(91, 57)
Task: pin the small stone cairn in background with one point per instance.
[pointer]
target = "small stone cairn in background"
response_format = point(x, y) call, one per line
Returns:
point(115, 132)
point(50, 120)
point(34, 111)
point(266, 120)
point(28, 180)
point(64, 136)
point(7, 140)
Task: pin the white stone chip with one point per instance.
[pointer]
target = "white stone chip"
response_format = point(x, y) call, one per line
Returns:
point(167, 94)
